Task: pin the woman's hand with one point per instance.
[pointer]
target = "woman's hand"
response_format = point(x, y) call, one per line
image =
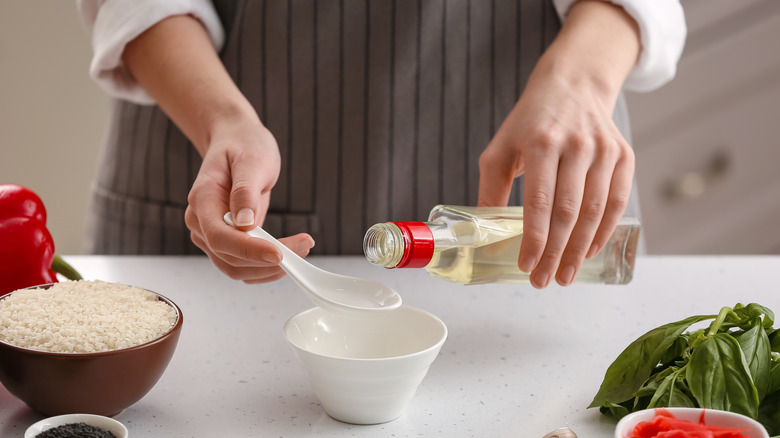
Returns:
point(239, 169)
point(578, 167)
point(176, 64)
point(578, 174)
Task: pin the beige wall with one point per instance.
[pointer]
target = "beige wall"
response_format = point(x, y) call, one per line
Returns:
point(52, 117)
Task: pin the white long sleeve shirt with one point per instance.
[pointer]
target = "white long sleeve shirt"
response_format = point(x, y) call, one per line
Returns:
point(113, 24)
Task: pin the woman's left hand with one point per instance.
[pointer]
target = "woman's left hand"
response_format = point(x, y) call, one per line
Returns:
point(578, 167)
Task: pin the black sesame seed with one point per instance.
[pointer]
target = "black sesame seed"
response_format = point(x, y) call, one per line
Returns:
point(76, 430)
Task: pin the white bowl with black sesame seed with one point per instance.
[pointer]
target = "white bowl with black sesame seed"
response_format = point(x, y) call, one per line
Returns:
point(71, 424)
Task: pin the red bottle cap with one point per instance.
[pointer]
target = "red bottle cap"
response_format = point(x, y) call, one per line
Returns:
point(418, 244)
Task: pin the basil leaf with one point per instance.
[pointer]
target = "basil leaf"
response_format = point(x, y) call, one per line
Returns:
point(652, 384)
point(662, 392)
point(671, 393)
point(645, 394)
point(752, 313)
point(675, 351)
point(769, 413)
point(696, 338)
point(774, 379)
point(774, 340)
point(616, 410)
point(719, 378)
point(755, 346)
point(679, 398)
point(633, 366)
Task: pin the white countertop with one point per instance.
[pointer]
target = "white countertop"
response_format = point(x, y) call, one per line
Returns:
point(518, 362)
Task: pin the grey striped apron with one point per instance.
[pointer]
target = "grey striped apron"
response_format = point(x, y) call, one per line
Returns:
point(380, 109)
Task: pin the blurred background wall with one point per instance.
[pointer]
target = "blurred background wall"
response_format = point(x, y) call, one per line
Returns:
point(52, 117)
point(708, 144)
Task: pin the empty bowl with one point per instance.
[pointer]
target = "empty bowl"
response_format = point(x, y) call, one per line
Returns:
point(365, 369)
point(102, 383)
point(710, 417)
point(118, 429)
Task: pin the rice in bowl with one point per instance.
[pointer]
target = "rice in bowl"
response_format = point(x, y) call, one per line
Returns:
point(83, 317)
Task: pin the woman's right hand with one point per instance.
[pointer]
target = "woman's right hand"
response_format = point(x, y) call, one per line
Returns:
point(240, 166)
point(176, 64)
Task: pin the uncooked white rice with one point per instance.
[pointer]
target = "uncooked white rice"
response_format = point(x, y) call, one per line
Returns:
point(83, 317)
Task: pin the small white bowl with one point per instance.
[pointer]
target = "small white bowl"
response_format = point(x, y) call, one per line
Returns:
point(365, 369)
point(712, 417)
point(109, 424)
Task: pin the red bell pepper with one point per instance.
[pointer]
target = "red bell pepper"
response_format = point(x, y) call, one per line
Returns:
point(26, 248)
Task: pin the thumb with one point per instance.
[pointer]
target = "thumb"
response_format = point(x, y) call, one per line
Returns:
point(498, 168)
point(250, 193)
point(300, 243)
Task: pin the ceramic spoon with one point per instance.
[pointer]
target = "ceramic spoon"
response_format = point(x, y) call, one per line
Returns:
point(328, 290)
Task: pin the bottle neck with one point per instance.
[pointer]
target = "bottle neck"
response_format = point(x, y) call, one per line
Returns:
point(399, 244)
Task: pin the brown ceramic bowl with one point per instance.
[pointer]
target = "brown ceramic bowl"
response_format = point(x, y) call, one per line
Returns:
point(103, 383)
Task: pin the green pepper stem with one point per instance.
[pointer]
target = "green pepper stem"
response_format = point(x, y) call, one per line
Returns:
point(60, 266)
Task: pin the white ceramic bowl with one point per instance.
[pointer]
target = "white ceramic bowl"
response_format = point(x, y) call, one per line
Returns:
point(712, 417)
point(364, 369)
point(109, 424)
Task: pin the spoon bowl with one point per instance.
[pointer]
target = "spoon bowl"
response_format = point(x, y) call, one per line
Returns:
point(326, 289)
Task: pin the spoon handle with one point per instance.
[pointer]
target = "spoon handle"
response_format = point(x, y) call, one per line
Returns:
point(327, 290)
point(290, 260)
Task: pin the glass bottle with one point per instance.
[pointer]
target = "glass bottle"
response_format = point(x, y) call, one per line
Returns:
point(475, 245)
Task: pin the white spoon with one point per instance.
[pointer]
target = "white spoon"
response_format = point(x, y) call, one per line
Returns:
point(328, 290)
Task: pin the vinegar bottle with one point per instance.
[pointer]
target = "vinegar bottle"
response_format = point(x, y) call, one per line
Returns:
point(475, 245)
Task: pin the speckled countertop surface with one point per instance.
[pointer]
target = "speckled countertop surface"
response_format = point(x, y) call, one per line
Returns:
point(518, 362)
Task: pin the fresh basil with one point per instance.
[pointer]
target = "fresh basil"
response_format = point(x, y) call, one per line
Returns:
point(719, 377)
point(676, 350)
point(774, 340)
point(754, 343)
point(769, 413)
point(672, 392)
point(616, 410)
point(734, 365)
point(752, 313)
point(634, 365)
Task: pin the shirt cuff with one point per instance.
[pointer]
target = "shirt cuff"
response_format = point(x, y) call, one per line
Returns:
point(113, 24)
point(662, 32)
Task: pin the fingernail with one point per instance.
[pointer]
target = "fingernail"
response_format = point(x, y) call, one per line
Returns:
point(567, 275)
point(527, 264)
point(245, 217)
point(542, 280)
point(593, 250)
